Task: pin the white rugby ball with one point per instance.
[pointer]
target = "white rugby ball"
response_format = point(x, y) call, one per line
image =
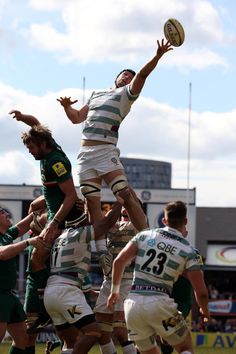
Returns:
point(174, 32)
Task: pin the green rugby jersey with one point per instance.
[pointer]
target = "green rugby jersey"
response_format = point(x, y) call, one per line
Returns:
point(55, 168)
point(8, 268)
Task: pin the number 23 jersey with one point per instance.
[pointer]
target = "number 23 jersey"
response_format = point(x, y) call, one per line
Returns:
point(163, 254)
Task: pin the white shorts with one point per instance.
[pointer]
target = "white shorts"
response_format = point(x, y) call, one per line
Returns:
point(101, 303)
point(97, 160)
point(146, 316)
point(65, 303)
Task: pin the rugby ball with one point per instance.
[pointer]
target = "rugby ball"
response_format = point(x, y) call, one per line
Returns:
point(174, 32)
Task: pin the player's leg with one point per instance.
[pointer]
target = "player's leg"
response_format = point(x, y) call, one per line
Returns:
point(104, 317)
point(186, 346)
point(120, 188)
point(18, 332)
point(91, 190)
point(15, 318)
point(179, 337)
point(120, 330)
point(121, 333)
point(68, 335)
point(89, 335)
point(105, 321)
point(37, 316)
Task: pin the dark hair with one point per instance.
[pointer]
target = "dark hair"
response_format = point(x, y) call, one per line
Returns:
point(176, 213)
point(38, 134)
point(129, 70)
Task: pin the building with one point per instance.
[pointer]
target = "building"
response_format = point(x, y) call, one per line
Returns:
point(147, 174)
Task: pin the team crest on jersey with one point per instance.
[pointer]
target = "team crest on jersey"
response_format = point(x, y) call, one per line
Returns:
point(151, 243)
point(114, 160)
point(59, 168)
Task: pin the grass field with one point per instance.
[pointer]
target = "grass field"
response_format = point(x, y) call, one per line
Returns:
point(41, 347)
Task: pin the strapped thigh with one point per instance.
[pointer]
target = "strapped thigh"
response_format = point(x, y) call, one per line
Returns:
point(89, 188)
point(118, 183)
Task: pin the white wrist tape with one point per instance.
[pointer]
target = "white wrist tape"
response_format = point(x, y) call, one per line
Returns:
point(115, 289)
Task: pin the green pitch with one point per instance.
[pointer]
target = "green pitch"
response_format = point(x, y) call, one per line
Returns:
point(40, 349)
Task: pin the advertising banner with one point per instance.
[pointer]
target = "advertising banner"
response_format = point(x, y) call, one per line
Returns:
point(214, 340)
point(221, 254)
point(222, 307)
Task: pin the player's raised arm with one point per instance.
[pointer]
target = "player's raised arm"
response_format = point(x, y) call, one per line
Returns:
point(139, 79)
point(75, 115)
point(25, 118)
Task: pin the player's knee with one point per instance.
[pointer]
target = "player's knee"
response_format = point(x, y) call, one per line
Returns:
point(90, 189)
point(118, 184)
point(146, 344)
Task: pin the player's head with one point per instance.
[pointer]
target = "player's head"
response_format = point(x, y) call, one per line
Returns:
point(38, 140)
point(175, 215)
point(5, 220)
point(124, 77)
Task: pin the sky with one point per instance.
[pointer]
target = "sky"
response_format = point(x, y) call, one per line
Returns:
point(185, 115)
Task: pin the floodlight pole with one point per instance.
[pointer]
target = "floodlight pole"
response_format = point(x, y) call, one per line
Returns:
point(189, 142)
point(83, 98)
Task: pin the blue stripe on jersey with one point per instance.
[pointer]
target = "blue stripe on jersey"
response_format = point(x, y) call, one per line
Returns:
point(183, 254)
point(107, 108)
point(106, 120)
point(172, 264)
point(100, 131)
point(67, 252)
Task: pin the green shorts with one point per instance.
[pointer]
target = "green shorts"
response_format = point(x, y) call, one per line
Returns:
point(11, 309)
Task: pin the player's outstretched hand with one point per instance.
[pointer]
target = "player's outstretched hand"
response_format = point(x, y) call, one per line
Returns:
point(66, 101)
point(163, 47)
point(16, 114)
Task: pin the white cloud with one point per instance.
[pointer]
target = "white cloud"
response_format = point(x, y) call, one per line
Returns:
point(198, 59)
point(130, 29)
point(47, 5)
point(151, 130)
point(46, 37)
point(17, 168)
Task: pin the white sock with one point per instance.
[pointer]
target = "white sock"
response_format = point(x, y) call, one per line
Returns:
point(108, 348)
point(129, 349)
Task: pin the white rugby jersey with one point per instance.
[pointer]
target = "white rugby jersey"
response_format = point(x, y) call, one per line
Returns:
point(107, 109)
point(71, 254)
point(117, 237)
point(163, 254)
